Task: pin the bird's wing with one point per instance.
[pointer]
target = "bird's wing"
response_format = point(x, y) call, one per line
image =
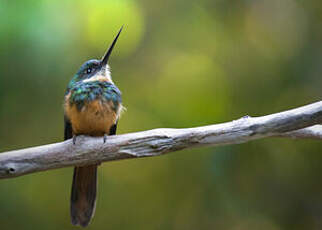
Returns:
point(113, 129)
point(68, 132)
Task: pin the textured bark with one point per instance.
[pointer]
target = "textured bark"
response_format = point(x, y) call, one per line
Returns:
point(89, 150)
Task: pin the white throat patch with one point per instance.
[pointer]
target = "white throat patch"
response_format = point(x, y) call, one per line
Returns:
point(101, 76)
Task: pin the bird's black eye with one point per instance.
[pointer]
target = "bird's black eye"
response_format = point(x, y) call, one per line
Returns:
point(89, 70)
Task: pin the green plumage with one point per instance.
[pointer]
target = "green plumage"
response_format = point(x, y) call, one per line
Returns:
point(84, 92)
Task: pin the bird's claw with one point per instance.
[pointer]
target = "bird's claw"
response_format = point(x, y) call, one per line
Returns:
point(74, 139)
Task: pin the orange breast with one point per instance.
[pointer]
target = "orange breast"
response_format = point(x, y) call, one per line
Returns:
point(95, 118)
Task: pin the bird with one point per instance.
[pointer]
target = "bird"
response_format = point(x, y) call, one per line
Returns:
point(92, 106)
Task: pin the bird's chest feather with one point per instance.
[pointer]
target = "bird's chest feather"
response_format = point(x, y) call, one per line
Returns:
point(95, 118)
point(92, 114)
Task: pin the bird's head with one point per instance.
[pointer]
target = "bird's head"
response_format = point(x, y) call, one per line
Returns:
point(94, 69)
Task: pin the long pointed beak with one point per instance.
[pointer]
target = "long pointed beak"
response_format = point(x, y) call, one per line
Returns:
point(109, 51)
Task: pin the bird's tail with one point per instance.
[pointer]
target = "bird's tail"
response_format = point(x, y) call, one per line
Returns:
point(83, 197)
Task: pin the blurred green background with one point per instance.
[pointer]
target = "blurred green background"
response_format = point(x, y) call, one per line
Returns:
point(179, 64)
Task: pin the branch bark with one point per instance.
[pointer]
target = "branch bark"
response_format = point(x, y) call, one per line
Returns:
point(90, 150)
point(314, 132)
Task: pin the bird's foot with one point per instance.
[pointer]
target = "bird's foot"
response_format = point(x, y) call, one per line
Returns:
point(104, 138)
point(74, 139)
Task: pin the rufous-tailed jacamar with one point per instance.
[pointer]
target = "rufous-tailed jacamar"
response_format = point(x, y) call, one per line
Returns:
point(92, 107)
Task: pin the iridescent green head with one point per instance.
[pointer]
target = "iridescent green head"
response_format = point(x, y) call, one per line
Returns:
point(95, 69)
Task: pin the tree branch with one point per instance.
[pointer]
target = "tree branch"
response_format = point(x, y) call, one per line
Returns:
point(90, 150)
point(314, 132)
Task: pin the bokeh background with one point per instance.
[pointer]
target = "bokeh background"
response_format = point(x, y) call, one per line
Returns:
point(179, 64)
